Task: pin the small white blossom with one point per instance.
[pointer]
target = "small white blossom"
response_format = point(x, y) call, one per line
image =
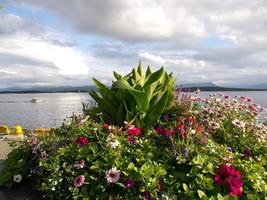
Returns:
point(17, 178)
point(112, 142)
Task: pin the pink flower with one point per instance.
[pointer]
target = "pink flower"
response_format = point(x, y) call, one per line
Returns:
point(191, 120)
point(105, 126)
point(79, 181)
point(132, 130)
point(33, 140)
point(82, 141)
point(249, 99)
point(169, 132)
point(113, 175)
point(79, 164)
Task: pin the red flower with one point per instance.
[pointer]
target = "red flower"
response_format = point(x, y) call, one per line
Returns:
point(160, 130)
point(199, 128)
point(181, 131)
point(191, 120)
point(228, 176)
point(132, 130)
point(82, 140)
point(105, 126)
point(169, 132)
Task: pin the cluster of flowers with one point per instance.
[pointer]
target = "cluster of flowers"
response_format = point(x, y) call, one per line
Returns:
point(229, 177)
point(182, 129)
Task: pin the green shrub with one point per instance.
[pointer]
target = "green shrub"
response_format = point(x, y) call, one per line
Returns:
point(138, 97)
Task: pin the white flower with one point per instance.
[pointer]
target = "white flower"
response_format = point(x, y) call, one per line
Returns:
point(17, 178)
point(235, 122)
point(113, 175)
point(79, 164)
point(112, 143)
point(214, 125)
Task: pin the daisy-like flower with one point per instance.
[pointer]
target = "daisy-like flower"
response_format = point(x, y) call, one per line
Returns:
point(112, 142)
point(113, 175)
point(79, 181)
point(79, 164)
point(214, 125)
point(17, 178)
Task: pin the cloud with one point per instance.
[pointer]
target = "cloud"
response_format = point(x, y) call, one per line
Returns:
point(208, 40)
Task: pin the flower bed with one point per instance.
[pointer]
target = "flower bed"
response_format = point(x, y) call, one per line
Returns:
point(198, 149)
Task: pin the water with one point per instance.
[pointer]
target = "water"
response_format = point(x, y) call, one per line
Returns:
point(55, 107)
point(50, 112)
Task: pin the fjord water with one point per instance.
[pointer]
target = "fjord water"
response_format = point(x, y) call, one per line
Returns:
point(55, 107)
point(50, 112)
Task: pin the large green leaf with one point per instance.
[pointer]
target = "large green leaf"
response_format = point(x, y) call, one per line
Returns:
point(157, 109)
point(103, 90)
point(140, 97)
point(104, 104)
point(117, 75)
point(148, 71)
point(139, 69)
point(156, 76)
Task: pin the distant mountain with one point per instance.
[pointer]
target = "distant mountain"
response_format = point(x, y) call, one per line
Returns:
point(209, 86)
point(258, 86)
point(47, 89)
point(201, 84)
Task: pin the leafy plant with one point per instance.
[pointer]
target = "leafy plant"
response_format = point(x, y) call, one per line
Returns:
point(138, 97)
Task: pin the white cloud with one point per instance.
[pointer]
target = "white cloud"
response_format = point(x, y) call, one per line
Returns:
point(207, 40)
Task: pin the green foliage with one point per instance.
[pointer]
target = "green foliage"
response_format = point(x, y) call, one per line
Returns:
point(138, 97)
point(178, 159)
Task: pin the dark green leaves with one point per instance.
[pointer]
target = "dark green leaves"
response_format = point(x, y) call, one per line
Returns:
point(138, 96)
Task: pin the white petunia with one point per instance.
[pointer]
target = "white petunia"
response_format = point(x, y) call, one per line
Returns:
point(17, 178)
point(112, 142)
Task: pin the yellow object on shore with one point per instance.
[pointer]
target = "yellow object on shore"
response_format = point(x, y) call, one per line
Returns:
point(41, 131)
point(4, 129)
point(18, 130)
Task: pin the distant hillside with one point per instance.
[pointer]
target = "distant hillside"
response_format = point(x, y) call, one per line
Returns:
point(216, 89)
point(258, 86)
point(203, 84)
point(48, 89)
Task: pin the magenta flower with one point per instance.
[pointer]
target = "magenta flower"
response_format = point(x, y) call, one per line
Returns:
point(131, 140)
point(79, 181)
point(129, 183)
point(132, 130)
point(160, 130)
point(169, 132)
point(82, 140)
point(228, 176)
point(147, 195)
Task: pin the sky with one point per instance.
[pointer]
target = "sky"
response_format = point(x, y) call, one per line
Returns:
point(56, 42)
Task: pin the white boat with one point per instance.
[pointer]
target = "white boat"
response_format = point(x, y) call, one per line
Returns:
point(35, 100)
